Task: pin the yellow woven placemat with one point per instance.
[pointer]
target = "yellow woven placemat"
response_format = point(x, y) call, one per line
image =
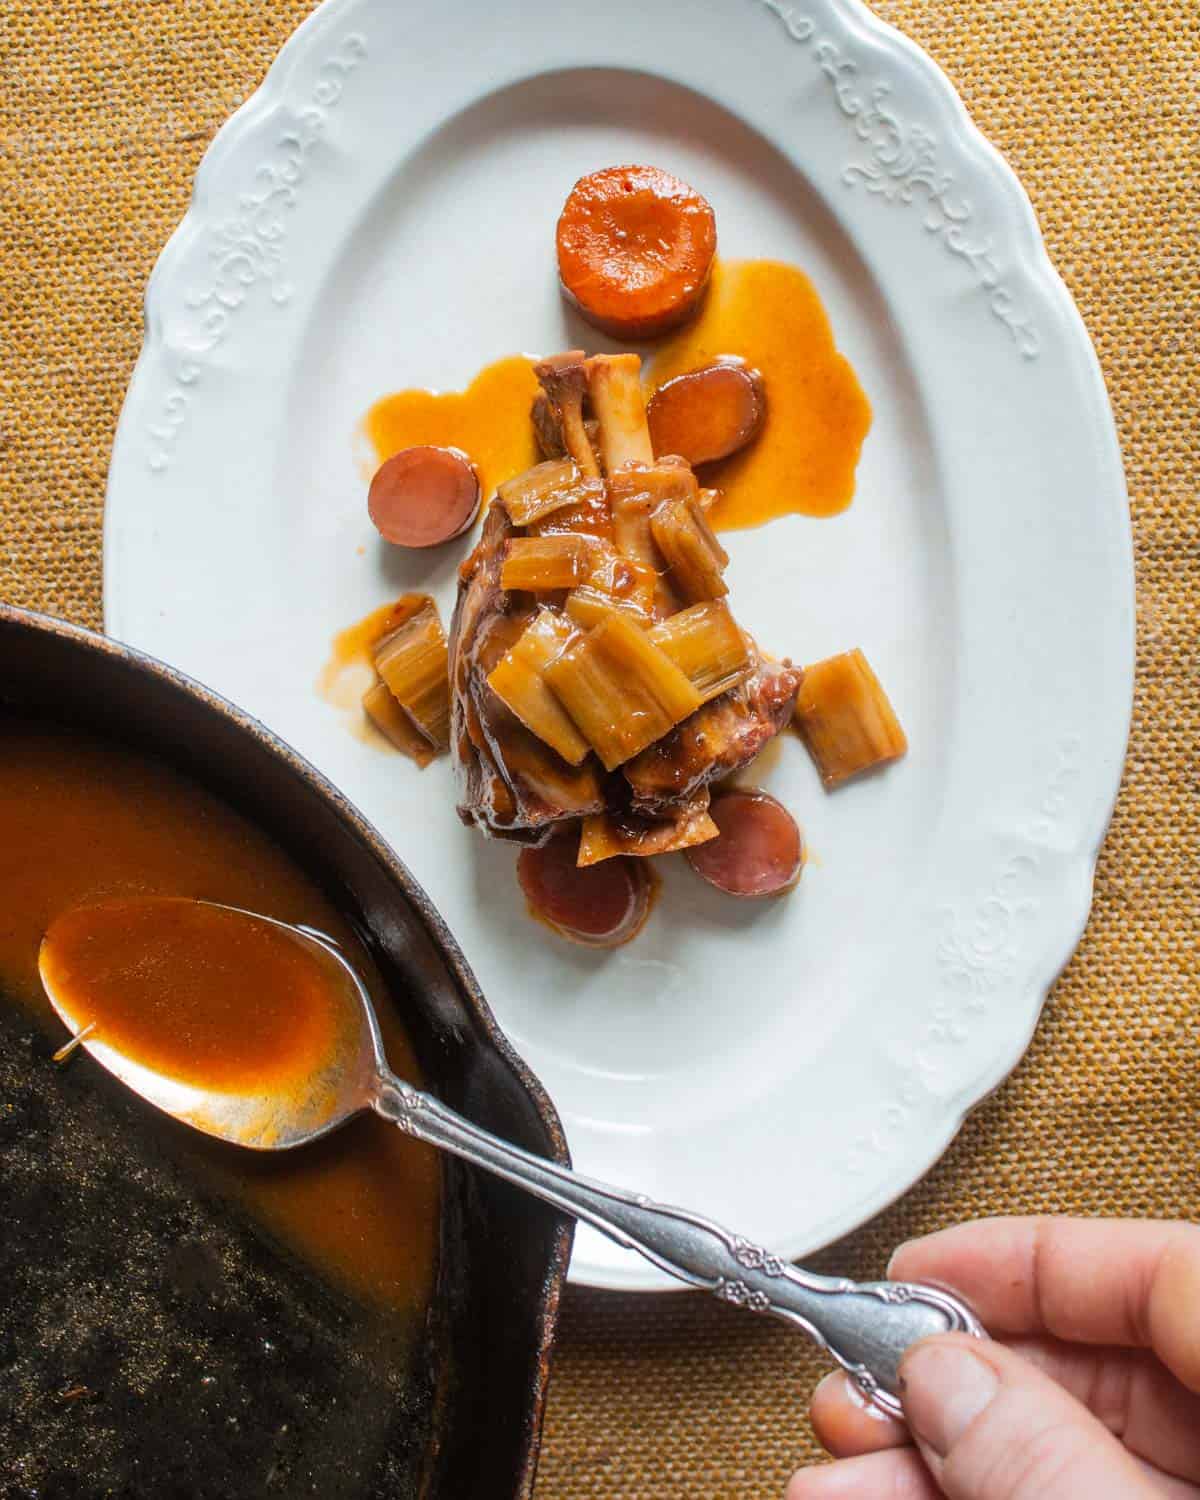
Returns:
point(107, 108)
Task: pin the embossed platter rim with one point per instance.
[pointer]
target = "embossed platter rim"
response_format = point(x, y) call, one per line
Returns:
point(832, 141)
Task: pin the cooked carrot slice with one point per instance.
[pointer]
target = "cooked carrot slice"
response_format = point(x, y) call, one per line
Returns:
point(635, 248)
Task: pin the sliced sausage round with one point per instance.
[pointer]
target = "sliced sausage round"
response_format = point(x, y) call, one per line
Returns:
point(422, 496)
point(758, 852)
point(601, 905)
point(708, 413)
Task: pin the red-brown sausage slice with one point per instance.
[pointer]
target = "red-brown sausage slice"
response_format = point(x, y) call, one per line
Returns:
point(422, 496)
point(708, 413)
point(601, 905)
point(759, 851)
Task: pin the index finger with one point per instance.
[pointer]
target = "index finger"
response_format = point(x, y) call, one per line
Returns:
point(1090, 1281)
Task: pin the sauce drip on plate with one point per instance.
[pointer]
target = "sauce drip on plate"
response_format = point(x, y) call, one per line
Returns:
point(196, 992)
point(803, 460)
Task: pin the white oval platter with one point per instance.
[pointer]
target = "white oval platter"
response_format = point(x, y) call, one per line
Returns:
point(380, 215)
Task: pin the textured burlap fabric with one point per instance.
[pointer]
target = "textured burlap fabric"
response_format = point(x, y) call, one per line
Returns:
point(107, 109)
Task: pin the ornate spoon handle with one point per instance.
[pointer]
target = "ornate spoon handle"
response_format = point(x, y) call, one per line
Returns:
point(866, 1326)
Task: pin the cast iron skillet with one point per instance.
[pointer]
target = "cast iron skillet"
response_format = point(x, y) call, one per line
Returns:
point(151, 1344)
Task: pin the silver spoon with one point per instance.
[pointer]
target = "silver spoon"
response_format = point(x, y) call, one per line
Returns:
point(865, 1326)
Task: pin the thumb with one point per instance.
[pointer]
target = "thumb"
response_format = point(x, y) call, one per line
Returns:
point(992, 1427)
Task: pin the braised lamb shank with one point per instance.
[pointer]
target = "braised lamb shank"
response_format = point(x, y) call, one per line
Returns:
point(596, 673)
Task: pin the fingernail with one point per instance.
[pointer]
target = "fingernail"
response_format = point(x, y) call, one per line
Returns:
point(946, 1386)
point(851, 1391)
point(896, 1254)
point(828, 1382)
point(823, 1482)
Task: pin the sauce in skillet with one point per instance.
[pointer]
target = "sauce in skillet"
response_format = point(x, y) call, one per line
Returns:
point(85, 822)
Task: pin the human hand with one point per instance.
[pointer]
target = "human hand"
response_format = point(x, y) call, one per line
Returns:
point(1091, 1390)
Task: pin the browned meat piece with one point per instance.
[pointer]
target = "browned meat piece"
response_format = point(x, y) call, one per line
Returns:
point(717, 740)
point(483, 792)
point(546, 427)
point(564, 381)
point(548, 430)
point(511, 785)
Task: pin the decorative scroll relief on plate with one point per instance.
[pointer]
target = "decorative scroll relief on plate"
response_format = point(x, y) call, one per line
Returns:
point(901, 163)
point(979, 955)
point(246, 249)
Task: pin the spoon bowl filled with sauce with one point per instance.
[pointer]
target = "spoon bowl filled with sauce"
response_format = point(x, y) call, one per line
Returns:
point(243, 1026)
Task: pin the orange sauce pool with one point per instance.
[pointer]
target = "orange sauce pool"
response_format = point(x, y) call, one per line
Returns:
point(803, 461)
point(84, 822)
point(489, 421)
point(197, 992)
